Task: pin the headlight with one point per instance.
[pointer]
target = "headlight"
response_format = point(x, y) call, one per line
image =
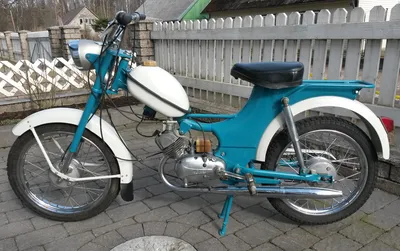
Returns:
point(80, 48)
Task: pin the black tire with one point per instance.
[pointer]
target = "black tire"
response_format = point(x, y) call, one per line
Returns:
point(14, 164)
point(282, 140)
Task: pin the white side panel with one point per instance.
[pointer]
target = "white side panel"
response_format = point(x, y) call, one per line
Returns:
point(328, 101)
point(163, 84)
point(72, 116)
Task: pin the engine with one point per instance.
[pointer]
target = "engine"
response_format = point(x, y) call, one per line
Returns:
point(195, 162)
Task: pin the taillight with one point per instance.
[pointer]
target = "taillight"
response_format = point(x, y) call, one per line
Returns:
point(388, 123)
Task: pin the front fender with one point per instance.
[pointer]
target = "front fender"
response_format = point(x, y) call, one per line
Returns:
point(375, 127)
point(72, 117)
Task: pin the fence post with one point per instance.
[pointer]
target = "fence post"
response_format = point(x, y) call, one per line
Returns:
point(7, 34)
point(68, 33)
point(23, 37)
point(55, 41)
point(139, 37)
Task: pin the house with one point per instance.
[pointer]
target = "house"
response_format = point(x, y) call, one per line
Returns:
point(233, 8)
point(176, 10)
point(81, 16)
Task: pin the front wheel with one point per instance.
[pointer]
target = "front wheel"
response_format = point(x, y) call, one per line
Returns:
point(330, 146)
point(43, 192)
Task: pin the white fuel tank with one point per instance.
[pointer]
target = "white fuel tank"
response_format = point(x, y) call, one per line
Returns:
point(159, 90)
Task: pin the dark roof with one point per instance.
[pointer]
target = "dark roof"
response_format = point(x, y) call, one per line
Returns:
point(166, 10)
point(70, 15)
point(223, 5)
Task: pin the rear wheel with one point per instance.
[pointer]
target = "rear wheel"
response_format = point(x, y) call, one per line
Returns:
point(330, 146)
point(43, 192)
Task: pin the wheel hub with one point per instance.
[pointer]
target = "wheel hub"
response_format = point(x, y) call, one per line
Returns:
point(321, 166)
point(73, 172)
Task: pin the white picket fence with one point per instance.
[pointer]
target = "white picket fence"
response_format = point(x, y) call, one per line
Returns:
point(41, 77)
point(202, 53)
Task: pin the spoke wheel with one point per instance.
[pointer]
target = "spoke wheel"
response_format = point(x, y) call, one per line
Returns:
point(55, 198)
point(330, 146)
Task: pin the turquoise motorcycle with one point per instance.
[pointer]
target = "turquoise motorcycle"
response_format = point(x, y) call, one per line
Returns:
point(69, 164)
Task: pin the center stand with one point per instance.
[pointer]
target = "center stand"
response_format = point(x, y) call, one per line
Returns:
point(226, 211)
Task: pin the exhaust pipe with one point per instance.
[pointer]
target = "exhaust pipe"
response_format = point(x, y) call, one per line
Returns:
point(285, 192)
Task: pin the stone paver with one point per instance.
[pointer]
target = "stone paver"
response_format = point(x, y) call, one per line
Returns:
point(253, 224)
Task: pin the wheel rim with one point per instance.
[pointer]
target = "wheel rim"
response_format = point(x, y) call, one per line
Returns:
point(42, 186)
point(345, 155)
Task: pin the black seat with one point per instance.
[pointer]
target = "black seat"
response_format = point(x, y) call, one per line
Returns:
point(272, 75)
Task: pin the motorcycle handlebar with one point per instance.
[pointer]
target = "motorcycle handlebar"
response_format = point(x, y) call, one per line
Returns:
point(124, 18)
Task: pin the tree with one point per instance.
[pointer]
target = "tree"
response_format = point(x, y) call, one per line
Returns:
point(100, 24)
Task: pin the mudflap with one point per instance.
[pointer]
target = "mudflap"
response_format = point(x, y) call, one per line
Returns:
point(127, 191)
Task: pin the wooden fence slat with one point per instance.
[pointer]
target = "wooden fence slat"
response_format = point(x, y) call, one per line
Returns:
point(203, 57)
point(268, 46)
point(196, 58)
point(247, 23)
point(306, 45)
point(164, 49)
point(170, 45)
point(190, 51)
point(390, 72)
point(320, 49)
point(156, 27)
point(236, 58)
point(256, 54)
point(211, 60)
point(336, 48)
point(177, 65)
point(353, 52)
point(372, 56)
point(219, 59)
point(279, 55)
point(184, 52)
point(292, 45)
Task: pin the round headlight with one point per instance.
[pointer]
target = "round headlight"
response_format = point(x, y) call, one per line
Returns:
point(80, 48)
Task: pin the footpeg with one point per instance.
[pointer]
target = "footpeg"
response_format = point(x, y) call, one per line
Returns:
point(251, 184)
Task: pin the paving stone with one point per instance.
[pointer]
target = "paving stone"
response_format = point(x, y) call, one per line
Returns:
point(144, 182)
point(127, 211)
point(162, 200)
point(39, 222)
point(211, 244)
point(213, 198)
point(267, 247)
point(5, 187)
point(377, 246)
point(102, 230)
point(233, 243)
point(10, 205)
point(392, 238)
point(93, 247)
point(323, 231)
point(70, 243)
point(109, 240)
point(3, 219)
point(186, 195)
point(252, 215)
point(214, 227)
point(15, 228)
point(362, 232)
point(393, 208)
point(195, 235)
point(154, 228)
point(214, 210)
point(267, 205)
point(295, 239)
point(8, 195)
point(40, 237)
point(378, 200)
point(175, 229)
point(189, 205)
point(8, 245)
point(144, 172)
point(3, 179)
point(248, 201)
point(37, 248)
point(159, 214)
point(196, 219)
point(336, 242)
point(282, 223)
point(20, 214)
point(258, 233)
point(131, 232)
point(158, 189)
point(383, 219)
point(85, 225)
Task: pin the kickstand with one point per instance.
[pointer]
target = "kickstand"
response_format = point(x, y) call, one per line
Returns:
point(226, 211)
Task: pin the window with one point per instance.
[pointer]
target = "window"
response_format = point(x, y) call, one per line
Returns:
point(80, 21)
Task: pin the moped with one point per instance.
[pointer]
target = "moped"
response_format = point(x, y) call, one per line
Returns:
point(69, 164)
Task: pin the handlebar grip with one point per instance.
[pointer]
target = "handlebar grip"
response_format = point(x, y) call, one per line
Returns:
point(124, 18)
point(142, 16)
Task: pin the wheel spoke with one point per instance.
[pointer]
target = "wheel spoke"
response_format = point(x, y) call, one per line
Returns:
point(58, 145)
